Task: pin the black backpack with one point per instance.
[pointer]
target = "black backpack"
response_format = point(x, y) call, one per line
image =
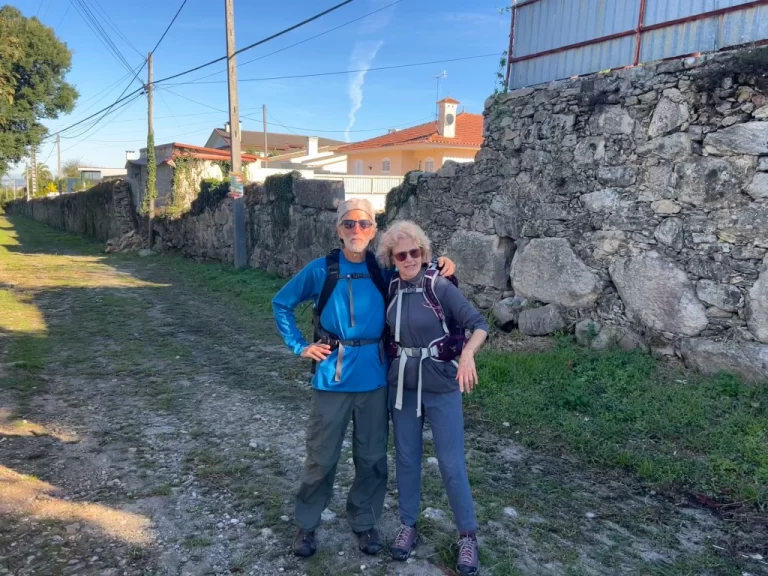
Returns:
point(332, 277)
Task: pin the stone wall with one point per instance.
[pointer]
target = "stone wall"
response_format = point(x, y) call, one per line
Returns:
point(282, 234)
point(634, 200)
point(103, 212)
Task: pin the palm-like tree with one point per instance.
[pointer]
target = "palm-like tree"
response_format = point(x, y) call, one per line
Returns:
point(43, 175)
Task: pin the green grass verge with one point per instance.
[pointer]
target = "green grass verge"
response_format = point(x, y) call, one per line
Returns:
point(669, 427)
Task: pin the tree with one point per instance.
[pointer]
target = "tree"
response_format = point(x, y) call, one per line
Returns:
point(71, 168)
point(44, 177)
point(33, 64)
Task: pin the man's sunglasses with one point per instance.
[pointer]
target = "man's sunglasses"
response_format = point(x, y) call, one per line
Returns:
point(350, 224)
point(401, 256)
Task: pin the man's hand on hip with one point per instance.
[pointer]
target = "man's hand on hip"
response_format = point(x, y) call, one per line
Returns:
point(317, 352)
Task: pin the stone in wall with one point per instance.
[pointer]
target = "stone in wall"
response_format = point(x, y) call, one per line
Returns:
point(658, 293)
point(481, 259)
point(541, 321)
point(709, 181)
point(670, 113)
point(749, 139)
point(748, 360)
point(548, 270)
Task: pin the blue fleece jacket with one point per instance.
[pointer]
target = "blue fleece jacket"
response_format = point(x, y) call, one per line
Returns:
point(363, 369)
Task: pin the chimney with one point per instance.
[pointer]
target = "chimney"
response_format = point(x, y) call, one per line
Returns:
point(312, 146)
point(446, 122)
point(227, 126)
point(391, 130)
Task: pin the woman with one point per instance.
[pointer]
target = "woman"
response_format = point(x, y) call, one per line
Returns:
point(423, 378)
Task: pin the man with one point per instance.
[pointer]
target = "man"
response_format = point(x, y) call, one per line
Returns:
point(350, 382)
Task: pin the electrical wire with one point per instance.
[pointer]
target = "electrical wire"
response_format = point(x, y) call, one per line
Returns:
point(115, 27)
point(289, 128)
point(169, 25)
point(64, 16)
point(135, 75)
point(122, 98)
point(341, 72)
point(364, 16)
point(259, 43)
point(118, 112)
point(100, 33)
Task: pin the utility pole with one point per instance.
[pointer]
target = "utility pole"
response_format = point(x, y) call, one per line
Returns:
point(235, 176)
point(266, 150)
point(58, 161)
point(33, 174)
point(151, 179)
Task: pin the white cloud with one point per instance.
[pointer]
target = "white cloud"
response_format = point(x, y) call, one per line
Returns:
point(362, 58)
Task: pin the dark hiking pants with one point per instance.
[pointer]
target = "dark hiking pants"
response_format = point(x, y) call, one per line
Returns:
point(329, 417)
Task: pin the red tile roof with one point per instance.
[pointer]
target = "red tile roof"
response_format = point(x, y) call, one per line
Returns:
point(469, 132)
point(449, 100)
point(204, 153)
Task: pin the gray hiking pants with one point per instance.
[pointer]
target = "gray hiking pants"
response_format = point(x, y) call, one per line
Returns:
point(329, 417)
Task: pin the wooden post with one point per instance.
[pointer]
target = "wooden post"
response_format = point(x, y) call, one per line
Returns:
point(150, 143)
point(236, 175)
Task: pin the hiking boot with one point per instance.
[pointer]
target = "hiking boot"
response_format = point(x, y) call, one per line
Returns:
point(304, 543)
point(469, 558)
point(369, 541)
point(405, 541)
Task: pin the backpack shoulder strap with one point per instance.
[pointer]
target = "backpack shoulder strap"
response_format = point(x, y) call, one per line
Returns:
point(431, 276)
point(375, 271)
point(331, 278)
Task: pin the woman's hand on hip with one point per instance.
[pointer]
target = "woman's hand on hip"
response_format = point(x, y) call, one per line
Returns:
point(317, 352)
point(467, 373)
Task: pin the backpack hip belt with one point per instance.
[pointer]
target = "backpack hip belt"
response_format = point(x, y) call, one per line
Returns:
point(337, 344)
point(422, 354)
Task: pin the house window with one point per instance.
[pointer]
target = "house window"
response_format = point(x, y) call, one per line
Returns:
point(358, 167)
point(386, 166)
point(429, 165)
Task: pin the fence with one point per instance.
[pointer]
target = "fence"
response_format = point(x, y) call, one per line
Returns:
point(555, 39)
point(374, 188)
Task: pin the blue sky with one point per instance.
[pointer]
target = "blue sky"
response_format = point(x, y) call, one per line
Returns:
point(409, 32)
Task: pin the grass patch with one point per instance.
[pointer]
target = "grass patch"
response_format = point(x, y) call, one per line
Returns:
point(623, 410)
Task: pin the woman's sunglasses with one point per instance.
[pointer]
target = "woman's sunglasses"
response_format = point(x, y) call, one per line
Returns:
point(350, 224)
point(401, 256)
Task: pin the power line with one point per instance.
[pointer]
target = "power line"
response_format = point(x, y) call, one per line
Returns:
point(303, 41)
point(64, 16)
point(115, 27)
point(341, 72)
point(122, 98)
point(100, 33)
point(277, 123)
point(169, 25)
point(415, 123)
point(259, 43)
point(96, 122)
point(122, 109)
point(136, 74)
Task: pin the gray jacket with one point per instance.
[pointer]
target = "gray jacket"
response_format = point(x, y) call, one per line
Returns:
point(419, 327)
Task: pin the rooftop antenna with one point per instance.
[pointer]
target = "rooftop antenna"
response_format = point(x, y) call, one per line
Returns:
point(443, 74)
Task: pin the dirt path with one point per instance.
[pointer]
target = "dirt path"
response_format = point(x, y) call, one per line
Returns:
point(164, 434)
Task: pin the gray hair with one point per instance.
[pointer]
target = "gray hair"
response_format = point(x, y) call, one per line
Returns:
point(398, 231)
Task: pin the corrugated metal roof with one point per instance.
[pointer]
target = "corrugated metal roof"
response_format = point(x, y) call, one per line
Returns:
point(551, 24)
